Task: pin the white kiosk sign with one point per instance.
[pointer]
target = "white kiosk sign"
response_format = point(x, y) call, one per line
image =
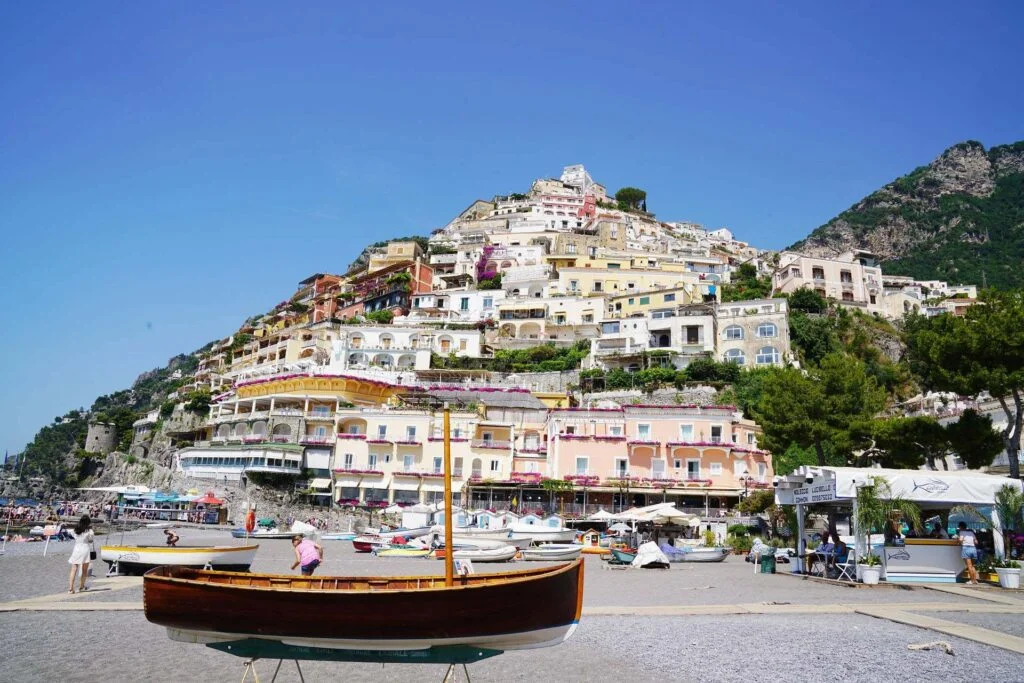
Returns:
point(820, 491)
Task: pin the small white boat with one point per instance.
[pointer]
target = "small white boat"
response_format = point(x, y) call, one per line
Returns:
point(502, 553)
point(132, 559)
point(262, 533)
point(701, 554)
point(342, 536)
point(543, 534)
point(554, 552)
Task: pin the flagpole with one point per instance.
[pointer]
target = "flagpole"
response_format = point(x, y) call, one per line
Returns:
point(449, 550)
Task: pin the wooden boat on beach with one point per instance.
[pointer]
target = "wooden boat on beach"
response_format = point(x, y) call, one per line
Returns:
point(378, 615)
point(137, 559)
point(400, 551)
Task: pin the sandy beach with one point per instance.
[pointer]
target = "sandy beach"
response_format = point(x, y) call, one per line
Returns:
point(692, 622)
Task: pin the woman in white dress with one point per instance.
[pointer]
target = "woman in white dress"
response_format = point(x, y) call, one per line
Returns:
point(79, 560)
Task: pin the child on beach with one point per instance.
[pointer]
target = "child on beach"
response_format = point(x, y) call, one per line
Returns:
point(308, 554)
point(79, 559)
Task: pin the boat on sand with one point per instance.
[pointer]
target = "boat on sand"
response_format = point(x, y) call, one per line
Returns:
point(401, 618)
point(138, 559)
point(553, 552)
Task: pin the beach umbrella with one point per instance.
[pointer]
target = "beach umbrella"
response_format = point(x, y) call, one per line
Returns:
point(392, 510)
point(601, 515)
point(619, 526)
point(670, 516)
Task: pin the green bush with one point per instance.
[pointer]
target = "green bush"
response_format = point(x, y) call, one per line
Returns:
point(743, 543)
point(737, 529)
point(382, 317)
point(166, 408)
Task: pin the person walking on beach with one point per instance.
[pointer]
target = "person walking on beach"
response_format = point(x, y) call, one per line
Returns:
point(80, 555)
point(307, 554)
point(968, 550)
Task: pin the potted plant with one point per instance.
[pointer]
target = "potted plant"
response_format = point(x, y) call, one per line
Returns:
point(1009, 573)
point(870, 569)
point(986, 570)
point(876, 508)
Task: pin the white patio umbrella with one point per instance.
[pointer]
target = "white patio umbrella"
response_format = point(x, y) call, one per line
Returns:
point(601, 515)
point(670, 516)
point(392, 509)
point(619, 526)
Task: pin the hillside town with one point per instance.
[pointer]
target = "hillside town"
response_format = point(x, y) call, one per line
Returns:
point(335, 392)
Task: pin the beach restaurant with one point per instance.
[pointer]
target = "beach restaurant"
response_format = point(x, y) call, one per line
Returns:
point(904, 560)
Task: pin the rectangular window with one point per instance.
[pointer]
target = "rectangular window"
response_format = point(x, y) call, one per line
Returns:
point(677, 463)
point(488, 302)
point(407, 461)
point(570, 249)
point(716, 433)
point(715, 469)
point(614, 266)
point(532, 467)
point(670, 297)
point(693, 469)
point(371, 460)
point(382, 431)
point(581, 465)
point(570, 430)
point(643, 432)
point(464, 303)
point(645, 300)
point(410, 433)
point(609, 328)
point(320, 432)
point(761, 471)
point(739, 468)
point(735, 437)
point(615, 430)
point(574, 285)
point(750, 438)
point(438, 466)
point(621, 467)
point(495, 466)
point(598, 286)
point(457, 467)
point(631, 301)
point(462, 345)
point(658, 469)
point(686, 432)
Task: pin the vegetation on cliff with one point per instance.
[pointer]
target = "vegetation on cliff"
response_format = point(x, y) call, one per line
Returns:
point(959, 219)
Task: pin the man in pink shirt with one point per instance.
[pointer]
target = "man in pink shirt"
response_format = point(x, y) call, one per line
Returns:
point(307, 554)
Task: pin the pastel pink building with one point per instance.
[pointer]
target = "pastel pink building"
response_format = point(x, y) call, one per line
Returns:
point(643, 454)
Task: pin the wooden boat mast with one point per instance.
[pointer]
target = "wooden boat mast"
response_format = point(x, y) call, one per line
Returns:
point(449, 578)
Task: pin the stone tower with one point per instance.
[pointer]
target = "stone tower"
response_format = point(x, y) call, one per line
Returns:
point(101, 438)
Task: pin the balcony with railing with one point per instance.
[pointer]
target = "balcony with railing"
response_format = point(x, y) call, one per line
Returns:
point(316, 439)
point(491, 444)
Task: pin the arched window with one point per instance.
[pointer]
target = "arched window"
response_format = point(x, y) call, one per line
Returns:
point(240, 429)
point(767, 355)
point(734, 332)
point(735, 356)
point(767, 330)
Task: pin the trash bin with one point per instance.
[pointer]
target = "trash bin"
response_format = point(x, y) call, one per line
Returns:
point(768, 564)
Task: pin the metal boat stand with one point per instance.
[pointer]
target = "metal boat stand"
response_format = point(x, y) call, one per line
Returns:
point(250, 665)
point(451, 675)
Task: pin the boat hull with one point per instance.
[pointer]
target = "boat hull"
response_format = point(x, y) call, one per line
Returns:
point(543, 534)
point(240, 533)
point(701, 555)
point(140, 559)
point(394, 613)
point(557, 553)
point(347, 536)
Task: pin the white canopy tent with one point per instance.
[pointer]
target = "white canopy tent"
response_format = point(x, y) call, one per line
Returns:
point(927, 488)
point(601, 515)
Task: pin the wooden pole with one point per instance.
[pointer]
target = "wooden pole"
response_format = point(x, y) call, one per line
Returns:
point(449, 550)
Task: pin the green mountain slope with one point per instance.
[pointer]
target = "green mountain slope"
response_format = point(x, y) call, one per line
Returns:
point(960, 219)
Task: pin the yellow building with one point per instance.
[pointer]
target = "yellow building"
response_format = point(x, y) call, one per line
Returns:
point(612, 280)
point(645, 303)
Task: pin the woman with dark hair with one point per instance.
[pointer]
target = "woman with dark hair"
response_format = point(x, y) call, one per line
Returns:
point(79, 559)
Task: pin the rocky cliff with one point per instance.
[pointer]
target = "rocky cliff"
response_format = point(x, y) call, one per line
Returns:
point(960, 218)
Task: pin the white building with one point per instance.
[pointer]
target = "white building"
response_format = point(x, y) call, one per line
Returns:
point(399, 348)
point(753, 333)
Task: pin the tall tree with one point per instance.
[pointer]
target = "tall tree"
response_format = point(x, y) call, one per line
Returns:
point(825, 408)
point(632, 198)
point(981, 351)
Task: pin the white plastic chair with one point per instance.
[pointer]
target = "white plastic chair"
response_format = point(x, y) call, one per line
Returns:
point(848, 569)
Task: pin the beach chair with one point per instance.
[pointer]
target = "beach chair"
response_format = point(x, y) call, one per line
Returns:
point(847, 568)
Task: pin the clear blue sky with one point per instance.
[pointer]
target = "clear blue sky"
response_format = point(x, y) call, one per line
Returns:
point(167, 170)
